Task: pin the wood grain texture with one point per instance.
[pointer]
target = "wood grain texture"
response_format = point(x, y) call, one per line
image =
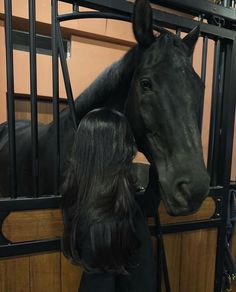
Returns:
point(198, 250)
point(172, 244)
point(45, 109)
point(45, 272)
point(70, 276)
point(44, 224)
point(14, 275)
point(32, 225)
point(234, 255)
point(190, 257)
point(205, 212)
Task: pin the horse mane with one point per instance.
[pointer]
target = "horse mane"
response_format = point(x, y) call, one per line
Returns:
point(110, 88)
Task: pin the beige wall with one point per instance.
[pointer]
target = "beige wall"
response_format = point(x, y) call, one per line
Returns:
point(88, 59)
point(102, 27)
point(104, 40)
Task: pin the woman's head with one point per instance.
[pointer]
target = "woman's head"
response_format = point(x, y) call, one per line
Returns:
point(98, 194)
point(104, 144)
point(103, 152)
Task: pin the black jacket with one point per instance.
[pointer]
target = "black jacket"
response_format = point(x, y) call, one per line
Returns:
point(141, 278)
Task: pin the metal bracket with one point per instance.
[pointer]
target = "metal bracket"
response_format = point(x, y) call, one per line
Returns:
point(217, 20)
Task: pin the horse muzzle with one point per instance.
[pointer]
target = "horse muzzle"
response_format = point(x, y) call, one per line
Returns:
point(184, 196)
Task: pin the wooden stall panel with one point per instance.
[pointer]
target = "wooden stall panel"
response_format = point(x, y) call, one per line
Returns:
point(14, 275)
point(206, 211)
point(234, 255)
point(172, 244)
point(32, 225)
point(45, 110)
point(198, 251)
point(70, 276)
point(45, 272)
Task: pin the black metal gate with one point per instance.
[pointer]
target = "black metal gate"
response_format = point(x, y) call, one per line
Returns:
point(220, 28)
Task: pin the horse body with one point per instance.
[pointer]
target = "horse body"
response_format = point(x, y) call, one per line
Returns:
point(110, 89)
point(156, 87)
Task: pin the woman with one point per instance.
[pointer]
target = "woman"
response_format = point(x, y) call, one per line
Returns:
point(104, 228)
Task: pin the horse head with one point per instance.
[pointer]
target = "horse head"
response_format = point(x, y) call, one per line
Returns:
point(162, 109)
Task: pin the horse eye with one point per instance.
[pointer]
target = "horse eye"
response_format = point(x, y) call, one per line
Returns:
point(145, 84)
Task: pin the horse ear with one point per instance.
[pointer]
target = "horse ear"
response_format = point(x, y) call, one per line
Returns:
point(142, 23)
point(191, 38)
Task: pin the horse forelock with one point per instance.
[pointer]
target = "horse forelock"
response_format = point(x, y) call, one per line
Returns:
point(166, 49)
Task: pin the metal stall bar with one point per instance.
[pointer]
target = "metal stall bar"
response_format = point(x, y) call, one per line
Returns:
point(199, 7)
point(66, 76)
point(33, 93)
point(160, 17)
point(85, 15)
point(218, 117)
point(219, 113)
point(178, 32)
point(55, 80)
point(203, 77)
point(225, 153)
point(75, 7)
point(10, 97)
point(29, 247)
point(226, 3)
point(214, 122)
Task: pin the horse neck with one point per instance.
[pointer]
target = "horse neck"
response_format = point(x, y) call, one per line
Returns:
point(111, 87)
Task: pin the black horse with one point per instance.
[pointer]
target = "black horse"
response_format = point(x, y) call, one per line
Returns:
point(156, 87)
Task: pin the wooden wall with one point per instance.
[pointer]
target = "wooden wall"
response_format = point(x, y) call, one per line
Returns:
point(234, 254)
point(191, 255)
point(49, 272)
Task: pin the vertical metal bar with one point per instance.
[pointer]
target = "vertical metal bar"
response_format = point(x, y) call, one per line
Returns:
point(228, 117)
point(203, 77)
point(219, 116)
point(10, 97)
point(66, 76)
point(213, 122)
point(225, 157)
point(226, 3)
point(75, 7)
point(55, 78)
point(159, 265)
point(204, 58)
point(33, 94)
point(162, 254)
point(178, 31)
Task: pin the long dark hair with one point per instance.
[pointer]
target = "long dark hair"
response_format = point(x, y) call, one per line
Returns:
point(98, 199)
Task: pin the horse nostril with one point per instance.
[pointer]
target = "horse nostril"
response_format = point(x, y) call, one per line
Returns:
point(183, 187)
